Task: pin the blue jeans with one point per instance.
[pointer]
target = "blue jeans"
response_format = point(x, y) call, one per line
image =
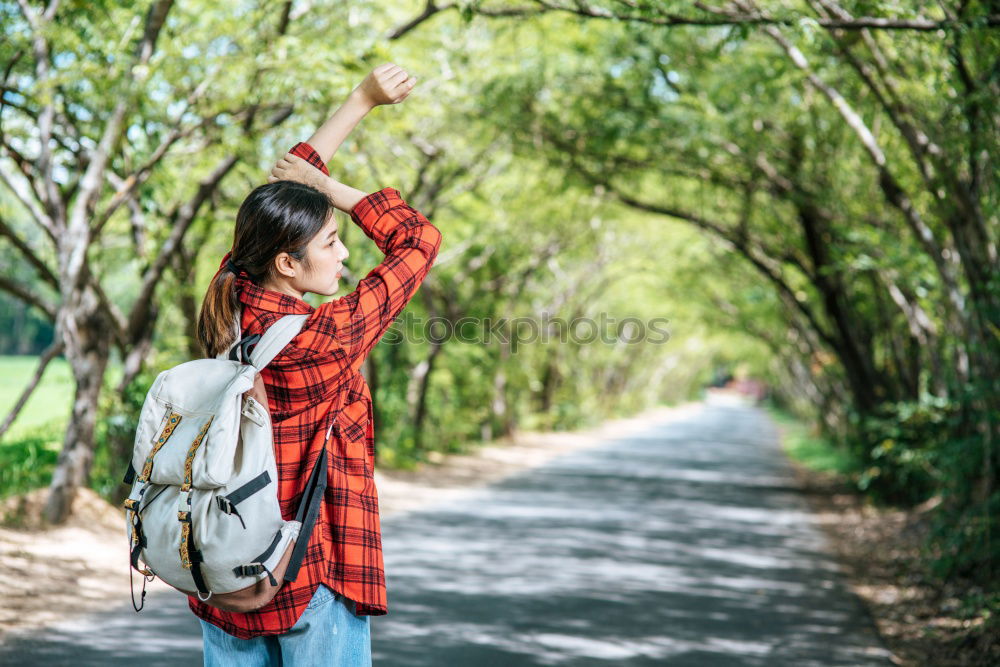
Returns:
point(327, 633)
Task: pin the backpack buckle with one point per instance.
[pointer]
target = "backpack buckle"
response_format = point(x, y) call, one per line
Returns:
point(253, 570)
point(251, 411)
point(135, 497)
point(229, 507)
point(225, 504)
point(184, 506)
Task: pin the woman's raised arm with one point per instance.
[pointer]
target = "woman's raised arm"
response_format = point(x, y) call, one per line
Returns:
point(386, 84)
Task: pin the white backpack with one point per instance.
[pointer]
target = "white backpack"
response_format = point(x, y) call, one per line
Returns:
point(203, 513)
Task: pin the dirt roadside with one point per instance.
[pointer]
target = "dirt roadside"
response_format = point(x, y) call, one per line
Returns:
point(49, 575)
point(880, 551)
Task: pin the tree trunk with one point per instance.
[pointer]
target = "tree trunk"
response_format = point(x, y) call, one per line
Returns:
point(500, 405)
point(81, 324)
point(188, 300)
point(550, 380)
point(420, 411)
point(853, 345)
point(139, 350)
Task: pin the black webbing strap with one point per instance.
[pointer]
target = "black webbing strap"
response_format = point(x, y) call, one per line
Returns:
point(258, 565)
point(199, 580)
point(140, 543)
point(129, 474)
point(244, 492)
point(253, 570)
point(306, 515)
point(229, 502)
point(270, 549)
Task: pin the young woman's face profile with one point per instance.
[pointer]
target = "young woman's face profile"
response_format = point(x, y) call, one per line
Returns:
point(326, 253)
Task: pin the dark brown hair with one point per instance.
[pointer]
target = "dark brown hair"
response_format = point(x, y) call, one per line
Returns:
point(275, 218)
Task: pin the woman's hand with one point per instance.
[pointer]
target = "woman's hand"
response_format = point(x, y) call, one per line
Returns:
point(293, 168)
point(386, 84)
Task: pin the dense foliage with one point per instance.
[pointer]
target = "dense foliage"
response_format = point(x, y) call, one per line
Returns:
point(788, 188)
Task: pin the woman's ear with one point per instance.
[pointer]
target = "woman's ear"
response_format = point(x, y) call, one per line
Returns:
point(286, 265)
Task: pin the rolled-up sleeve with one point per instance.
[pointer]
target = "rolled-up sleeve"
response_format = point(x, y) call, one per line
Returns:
point(342, 332)
point(410, 243)
point(309, 154)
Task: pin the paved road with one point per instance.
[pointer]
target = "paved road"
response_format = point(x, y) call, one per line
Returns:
point(686, 544)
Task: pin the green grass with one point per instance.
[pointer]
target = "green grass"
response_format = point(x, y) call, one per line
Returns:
point(28, 451)
point(812, 451)
point(49, 405)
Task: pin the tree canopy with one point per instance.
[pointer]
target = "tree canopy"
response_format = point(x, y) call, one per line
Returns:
point(805, 187)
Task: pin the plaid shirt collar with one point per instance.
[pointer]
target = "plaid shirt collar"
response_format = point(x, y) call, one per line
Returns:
point(252, 294)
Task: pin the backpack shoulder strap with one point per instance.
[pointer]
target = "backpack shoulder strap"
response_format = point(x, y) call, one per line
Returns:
point(277, 336)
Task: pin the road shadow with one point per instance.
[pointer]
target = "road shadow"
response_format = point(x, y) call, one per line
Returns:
point(685, 544)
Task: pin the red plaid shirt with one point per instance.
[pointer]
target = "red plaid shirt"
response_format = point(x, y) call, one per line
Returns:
point(316, 379)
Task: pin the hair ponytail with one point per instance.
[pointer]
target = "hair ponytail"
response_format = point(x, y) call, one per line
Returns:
point(274, 218)
point(218, 322)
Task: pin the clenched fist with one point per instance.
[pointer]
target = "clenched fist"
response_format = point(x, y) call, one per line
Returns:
point(386, 84)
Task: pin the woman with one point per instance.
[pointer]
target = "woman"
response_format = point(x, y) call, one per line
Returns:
point(286, 243)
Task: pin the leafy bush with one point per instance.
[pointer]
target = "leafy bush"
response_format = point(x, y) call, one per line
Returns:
point(914, 451)
point(27, 463)
point(904, 449)
point(115, 435)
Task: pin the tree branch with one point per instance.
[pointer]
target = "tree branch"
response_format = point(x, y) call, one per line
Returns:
point(891, 187)
point(50, 353)
point(21, 292)
point(40, 49)
point(181, 221)
point(917, 141)
point(44, 272)
point(430, 9)
point(126, 186)
point(78, 233)
point(714, 17)
point(39, 216)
